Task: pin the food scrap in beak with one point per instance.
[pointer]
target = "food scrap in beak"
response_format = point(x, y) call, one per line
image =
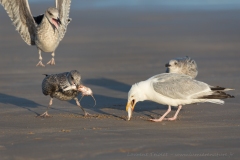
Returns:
point(86, 92)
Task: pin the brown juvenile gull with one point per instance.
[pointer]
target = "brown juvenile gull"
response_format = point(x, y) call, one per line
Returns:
point(182, 65)
point(174, 89)
point(46, 30)
point(63, 86)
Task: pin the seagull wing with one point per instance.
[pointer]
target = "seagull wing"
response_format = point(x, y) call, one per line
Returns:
point(50, 84)
point(19, 12)
point(178, 86)
point(63, 7)
point(55, 83)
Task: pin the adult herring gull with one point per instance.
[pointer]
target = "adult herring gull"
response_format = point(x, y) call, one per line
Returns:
point(46, 30)
point(182, 65)
point(174, 90)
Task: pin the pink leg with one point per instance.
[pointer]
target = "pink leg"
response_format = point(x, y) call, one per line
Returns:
point(52, 61)
point(45, 114)
point(40, 59)
point(175, 116)
point(161, 118)
point(78, 104)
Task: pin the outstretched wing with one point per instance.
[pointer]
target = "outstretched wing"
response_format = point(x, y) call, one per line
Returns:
point(19, 12)
point(178, 86)
point(63, 7)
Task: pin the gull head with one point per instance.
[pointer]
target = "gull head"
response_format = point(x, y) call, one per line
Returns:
point(135, 95)
point(182, 65)
point(52, 15)
point(173, 66)
point(74, 78)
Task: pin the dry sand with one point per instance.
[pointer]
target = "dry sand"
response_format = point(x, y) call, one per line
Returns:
point(112, 49)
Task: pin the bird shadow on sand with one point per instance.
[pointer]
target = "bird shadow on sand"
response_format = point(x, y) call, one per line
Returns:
point(145, 107)
point(151, 109)
point(109, 83)
point(20, 102)
point(24, 103)
point(119, 104)
point(162, 109)
point(102, 102)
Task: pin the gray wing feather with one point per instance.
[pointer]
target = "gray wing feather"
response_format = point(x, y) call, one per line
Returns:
point(19, 12)
point(178, 86)
point(63, 80)
point(55, 82)
point(63, 7)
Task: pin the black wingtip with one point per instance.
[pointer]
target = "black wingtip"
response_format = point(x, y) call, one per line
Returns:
point(217, 95)
point(217, 88)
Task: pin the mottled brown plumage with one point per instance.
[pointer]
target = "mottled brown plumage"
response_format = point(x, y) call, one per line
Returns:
point(61, 86)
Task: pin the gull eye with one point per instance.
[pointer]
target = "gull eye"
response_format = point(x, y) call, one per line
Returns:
point(50, 13)
point(175, 63)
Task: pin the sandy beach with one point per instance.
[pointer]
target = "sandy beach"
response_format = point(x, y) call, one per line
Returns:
point(112, 48)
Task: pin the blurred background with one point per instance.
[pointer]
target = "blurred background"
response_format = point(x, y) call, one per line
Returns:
point(113, 44)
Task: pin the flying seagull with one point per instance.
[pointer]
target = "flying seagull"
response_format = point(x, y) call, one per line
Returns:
point(64, 86)
point(182, 65)
point(46, 30)
point(174, 89)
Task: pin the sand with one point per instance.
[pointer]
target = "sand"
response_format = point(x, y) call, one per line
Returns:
point(113, 48)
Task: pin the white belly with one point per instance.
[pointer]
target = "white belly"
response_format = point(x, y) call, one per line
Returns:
point(47, 38)
point(47, 42)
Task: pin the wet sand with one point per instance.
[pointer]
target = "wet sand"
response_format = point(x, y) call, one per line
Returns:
point(112, 49)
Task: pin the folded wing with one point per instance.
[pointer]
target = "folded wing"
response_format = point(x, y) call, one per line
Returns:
point(178, 86)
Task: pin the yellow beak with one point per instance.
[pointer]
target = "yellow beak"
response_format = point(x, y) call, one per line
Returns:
point(129, 109)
